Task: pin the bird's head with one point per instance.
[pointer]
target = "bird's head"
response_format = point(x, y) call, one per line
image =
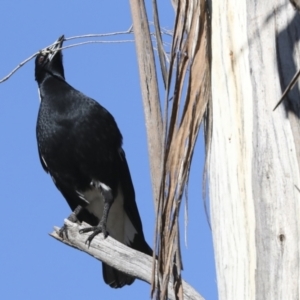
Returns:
point(49, 61)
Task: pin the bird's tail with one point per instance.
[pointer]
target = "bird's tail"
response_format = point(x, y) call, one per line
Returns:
point(114, 278)
point(117, 279)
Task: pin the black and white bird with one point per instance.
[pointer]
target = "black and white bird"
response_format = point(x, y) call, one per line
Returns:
point(80, 146)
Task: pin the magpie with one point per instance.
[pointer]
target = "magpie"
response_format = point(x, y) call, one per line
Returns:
point(80, 146)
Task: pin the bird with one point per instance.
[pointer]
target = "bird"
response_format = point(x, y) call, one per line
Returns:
point(80, 146)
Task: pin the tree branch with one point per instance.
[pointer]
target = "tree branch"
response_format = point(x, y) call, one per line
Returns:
point(62, 48)
point(118, 256)
point(129, 31)
point(150, 93)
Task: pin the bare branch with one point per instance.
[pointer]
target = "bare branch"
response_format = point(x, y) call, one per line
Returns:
point(150, 93)
point(18, 67)
point(65, 47)
point(129, 31)
point(118, 256)
point(96, 42)
point(288, 88)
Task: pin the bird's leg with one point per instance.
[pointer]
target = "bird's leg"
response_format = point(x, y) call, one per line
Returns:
point(63, 232)
point(101, 227)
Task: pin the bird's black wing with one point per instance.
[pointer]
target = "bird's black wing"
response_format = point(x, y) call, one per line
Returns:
point(70, 195)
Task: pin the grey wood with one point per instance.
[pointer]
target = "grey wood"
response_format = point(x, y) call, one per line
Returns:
point(118, 256)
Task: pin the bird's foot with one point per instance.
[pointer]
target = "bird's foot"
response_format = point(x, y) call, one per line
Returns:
point(63, 231)
point(101, 227)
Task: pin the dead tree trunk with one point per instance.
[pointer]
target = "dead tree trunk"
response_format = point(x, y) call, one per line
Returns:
point(254, 155)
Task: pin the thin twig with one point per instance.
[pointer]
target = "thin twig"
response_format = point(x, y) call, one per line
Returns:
point(288, 88)
point(96, 42)
point(65, 47)
point(164, 30)
point(18, 67)
point(129, 31)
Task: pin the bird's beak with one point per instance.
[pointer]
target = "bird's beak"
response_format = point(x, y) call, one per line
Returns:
point(52, 50)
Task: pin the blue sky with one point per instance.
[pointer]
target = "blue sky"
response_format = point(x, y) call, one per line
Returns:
point(34, 265)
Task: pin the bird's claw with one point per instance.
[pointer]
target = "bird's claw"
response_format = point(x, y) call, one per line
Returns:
point(96, 230)
point(63, 232)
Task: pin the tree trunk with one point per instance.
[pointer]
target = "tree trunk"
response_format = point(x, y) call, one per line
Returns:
point(254, 154)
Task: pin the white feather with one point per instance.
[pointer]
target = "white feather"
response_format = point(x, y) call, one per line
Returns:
point(39, 92)
point(104, 186)
point(43, 159)
point(119, 225)
point(81, 196)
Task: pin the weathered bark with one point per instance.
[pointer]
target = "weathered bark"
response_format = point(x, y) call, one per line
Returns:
point(150, 93)
point(119, 256)
point(254, 157)
point(188, 86)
